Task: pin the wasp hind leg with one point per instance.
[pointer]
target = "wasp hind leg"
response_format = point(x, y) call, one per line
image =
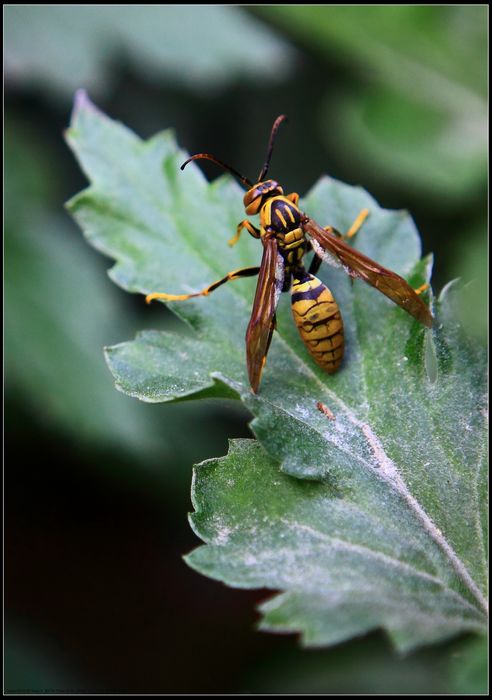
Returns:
point(357, 225)
point(355, 228)
point(235, 274)
point(315, 264)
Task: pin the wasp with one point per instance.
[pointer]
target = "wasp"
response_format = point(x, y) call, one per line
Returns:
point(287, 235)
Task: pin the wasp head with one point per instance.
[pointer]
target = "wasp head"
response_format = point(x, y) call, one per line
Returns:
point(257, 195)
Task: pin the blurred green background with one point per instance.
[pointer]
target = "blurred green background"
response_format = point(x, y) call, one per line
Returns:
point(97, 484)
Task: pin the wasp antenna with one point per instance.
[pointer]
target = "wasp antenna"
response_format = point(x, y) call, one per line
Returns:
point(273, 134)
point(224, 166)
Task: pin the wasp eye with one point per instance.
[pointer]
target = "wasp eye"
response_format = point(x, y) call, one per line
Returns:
point(253, 204)
point(249, 196)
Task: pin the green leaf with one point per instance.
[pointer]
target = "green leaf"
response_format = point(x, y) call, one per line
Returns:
point(64, 47)
point(60, 310)
point(395, 529)
point(345, 565)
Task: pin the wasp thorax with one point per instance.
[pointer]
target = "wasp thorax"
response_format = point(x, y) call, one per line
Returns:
point(254, 198)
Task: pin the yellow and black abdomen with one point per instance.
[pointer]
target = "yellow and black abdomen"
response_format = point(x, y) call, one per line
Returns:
point(319, 321)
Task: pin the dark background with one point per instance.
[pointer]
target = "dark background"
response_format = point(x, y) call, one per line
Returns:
point(97, 596)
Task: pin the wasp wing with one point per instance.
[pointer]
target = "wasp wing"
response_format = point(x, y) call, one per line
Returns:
point(358, 265)
point(262, 322)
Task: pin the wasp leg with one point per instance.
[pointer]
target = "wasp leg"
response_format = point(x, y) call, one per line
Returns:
point(315, 263)
point(422, 288)
point(361, 217)
point(356, 226)
point(249, 227)
point(235, 274)
point(293, 197)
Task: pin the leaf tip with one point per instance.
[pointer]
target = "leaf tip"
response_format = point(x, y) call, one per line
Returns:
point(450, 286)
point(81, 102)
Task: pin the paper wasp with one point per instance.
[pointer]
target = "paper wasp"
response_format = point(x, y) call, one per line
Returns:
point(287, 234)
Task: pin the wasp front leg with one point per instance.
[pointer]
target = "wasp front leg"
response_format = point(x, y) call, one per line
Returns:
point(249, 227)
point(293, 197)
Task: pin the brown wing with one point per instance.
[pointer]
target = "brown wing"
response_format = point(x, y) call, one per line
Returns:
point(262, 322)
point(358, 265)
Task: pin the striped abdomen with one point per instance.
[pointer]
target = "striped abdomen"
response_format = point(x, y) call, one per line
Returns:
point(319, 321)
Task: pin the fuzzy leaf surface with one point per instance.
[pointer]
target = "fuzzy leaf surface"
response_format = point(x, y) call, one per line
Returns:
point(343, 569)
point(401, 461)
